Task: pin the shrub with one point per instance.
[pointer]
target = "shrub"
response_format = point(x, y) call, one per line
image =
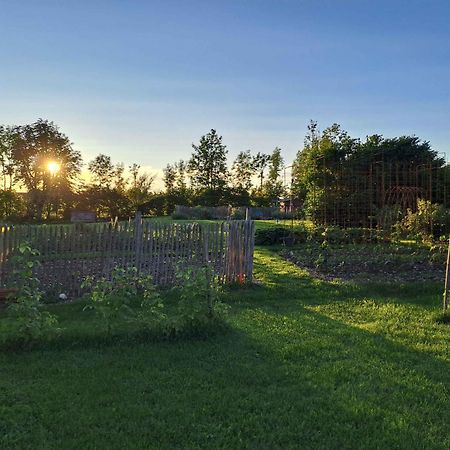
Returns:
point(272, 236)
point(27, 306)
point(428, 222)
point(127, 295)
point(198, 295)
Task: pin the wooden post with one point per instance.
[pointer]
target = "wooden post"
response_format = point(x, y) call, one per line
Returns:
point(248, 214)
point(205, 232)
point(138, 239)
point(446, 279)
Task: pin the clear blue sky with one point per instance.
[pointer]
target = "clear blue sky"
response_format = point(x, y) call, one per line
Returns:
point(142, 80)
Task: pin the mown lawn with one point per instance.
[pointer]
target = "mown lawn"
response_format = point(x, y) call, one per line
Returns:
point(306, 364)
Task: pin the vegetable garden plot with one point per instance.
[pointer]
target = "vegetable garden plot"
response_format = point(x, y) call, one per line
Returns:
point(69, 253)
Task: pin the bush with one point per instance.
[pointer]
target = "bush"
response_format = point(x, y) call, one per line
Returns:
point(273, 236)
point(27, 306)
point(198, 293)
point(428, 222)
point(127, 295)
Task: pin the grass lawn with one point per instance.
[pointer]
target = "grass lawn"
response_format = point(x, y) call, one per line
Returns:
point(307, 363)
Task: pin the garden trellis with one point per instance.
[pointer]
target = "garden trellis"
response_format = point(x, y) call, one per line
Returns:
point(70, 253)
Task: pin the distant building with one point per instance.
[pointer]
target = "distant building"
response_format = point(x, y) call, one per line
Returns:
point(77, 216)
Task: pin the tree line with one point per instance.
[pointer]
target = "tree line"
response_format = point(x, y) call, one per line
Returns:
point(41, 178)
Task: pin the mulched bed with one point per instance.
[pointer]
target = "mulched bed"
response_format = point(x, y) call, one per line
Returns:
point(369, 263)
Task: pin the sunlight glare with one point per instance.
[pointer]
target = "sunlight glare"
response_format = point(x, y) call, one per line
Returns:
point(53, 167)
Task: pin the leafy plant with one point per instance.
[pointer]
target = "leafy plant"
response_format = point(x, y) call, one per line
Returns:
point(272, 236)
point(27, 304)
point(429, 221)
point(126, 295)
point(198, 293)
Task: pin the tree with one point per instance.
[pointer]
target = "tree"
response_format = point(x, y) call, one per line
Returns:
point(7, 165)
point(140, 189)
point(260, 162)
point(170, 178)
point(208, 166)
point(177, 191)
point(102, 171)
point(33, 147)
point(242, 171)
point(12, 205)
point(344, 181)
point(181, 171)
point(274, 185)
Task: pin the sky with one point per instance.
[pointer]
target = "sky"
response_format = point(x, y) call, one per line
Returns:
point(143, 80)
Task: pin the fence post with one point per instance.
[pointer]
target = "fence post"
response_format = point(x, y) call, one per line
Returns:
point(138, 239)
point(447, 268)
point(205, 231)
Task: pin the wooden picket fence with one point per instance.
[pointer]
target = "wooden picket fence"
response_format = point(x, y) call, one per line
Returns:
point(70, 253)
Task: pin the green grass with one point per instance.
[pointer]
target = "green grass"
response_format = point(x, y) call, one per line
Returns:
point(306, 364)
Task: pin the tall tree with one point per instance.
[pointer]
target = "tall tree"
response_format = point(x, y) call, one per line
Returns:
point(208, 163)
point(242, 171)
point(7, 166)
point(45, 162)
point(140, 189)
point(260, 162)
point(274, 187)
point(181, 170)
point(102, 171)
point(170, 178)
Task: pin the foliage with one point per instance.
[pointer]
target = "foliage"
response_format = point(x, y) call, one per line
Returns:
point(140, 190)
point(113, 192)
point(242, 171)
point(208, 168)
point(200, 213)
point(274, 188)
point(26, 306)
point(102, 171)
point(33, 146)
point(260, 162)
point(274, 236)
point(198, 295)
point(428, 222)
point(12, 205)
point(330, 172)
point(126, 295)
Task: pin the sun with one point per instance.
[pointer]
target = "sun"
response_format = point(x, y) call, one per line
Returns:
point(53, 167)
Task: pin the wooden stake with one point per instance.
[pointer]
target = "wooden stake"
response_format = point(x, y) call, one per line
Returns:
point(446, 279)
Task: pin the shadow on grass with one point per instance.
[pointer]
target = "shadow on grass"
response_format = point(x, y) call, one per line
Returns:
point(285, 285)
point(273, 382)
point(285, 376)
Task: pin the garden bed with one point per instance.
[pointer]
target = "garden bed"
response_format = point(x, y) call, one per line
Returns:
point(389, 263)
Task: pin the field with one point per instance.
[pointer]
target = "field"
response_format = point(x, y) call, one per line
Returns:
point(306, 363)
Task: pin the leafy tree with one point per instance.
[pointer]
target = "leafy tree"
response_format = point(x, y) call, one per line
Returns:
point(102, 171)
point(140, 190)
point(208, 166)
point(12, 205)
point(120, 183)
point(331, 172)
point(260, 162)
point(242, 171)
point(7, 165)
point(181, 173)
point(33, 147)
point(106, 202)
point(274, 185)
point(170, 178)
